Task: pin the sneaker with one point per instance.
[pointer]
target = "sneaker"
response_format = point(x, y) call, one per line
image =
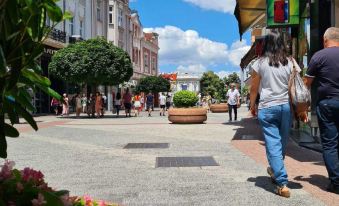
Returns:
point(333, 188)
point(271, 174)
point(283, 191)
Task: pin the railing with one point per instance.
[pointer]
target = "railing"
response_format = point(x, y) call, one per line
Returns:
point(57, 35)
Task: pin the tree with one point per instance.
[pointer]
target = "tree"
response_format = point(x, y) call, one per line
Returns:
point(23, 29)
point(153, 84)
point(211, 84)
point(232, 78)
point(94, 62)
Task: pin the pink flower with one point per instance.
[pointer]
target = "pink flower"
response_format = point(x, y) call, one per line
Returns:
point(88, 200)
point(40, 201)
point(19, 187)
point(6, 170)
point(30, 174)
point(102, 203)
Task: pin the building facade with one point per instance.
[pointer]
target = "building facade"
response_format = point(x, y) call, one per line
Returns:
point(189, 82)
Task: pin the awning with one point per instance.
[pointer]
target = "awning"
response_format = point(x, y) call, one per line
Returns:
point(249, 13)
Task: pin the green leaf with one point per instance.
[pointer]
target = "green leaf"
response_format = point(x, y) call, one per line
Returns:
point(67, 15)
point(61, 193)
point(35, 78)
point(10, 131)
point(27, 116)
point(2, 62)
point(25, 100)
point(50, 92)
point(9, 109)
point(3, 147)
point(54, 12)
point(52, 199)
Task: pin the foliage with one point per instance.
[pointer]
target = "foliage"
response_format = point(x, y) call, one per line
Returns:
point(153, 84)
point(245, 90)
point(185, 99)
point(211, 84)
point(94, 62)
point(232, 78)
point(22, 26)
point(28, 187)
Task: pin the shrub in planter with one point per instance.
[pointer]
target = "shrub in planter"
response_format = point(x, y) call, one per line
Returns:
point(185, 99)
point(185, 111)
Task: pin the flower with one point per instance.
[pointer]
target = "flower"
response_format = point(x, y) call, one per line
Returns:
point(30, 174)
point(88, 200)
point(40, 201)
point(19, 187)
point(6, 170)
point(101, 203)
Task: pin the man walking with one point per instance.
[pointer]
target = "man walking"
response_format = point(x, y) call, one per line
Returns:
point(324, 67)
point(162, 100)
point(233, 101)
point(149, 103)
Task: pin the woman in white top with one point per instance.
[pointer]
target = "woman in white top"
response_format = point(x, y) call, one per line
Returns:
point(117, 103)
point(270, 77)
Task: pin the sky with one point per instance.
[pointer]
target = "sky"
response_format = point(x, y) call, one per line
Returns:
point(194, 35)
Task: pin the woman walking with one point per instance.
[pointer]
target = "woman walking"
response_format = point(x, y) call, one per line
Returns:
point(117, 103)
point(65, 105)
point(127, 98)
point(78, 105)
point(98, 104)
point(84, 103)
point(55, 105)
point(270, 78)
point(137, 104)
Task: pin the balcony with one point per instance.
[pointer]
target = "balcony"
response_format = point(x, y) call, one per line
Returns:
point(57, 35)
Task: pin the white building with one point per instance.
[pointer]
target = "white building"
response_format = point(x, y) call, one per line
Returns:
point(189, 82)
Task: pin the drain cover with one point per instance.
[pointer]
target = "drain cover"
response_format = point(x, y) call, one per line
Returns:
point(185, 161)
point(146, 146)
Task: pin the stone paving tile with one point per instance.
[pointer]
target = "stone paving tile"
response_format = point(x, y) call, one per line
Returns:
point(91, 160)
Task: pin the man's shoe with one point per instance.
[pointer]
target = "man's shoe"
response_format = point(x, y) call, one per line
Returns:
point(333, 188)
point(283, 191)
point(271, 174)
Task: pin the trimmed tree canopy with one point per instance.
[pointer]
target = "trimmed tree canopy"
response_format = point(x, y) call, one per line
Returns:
point(153, 84)
point(211, 84)
point(94, 61)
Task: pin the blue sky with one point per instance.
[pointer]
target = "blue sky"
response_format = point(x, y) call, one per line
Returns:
point(195, 35)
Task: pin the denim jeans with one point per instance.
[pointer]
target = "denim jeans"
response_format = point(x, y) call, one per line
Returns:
point(276, 122)
point(328, 118)
point(235, 109)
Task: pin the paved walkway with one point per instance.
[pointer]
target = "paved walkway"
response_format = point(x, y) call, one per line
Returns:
point(86, 156)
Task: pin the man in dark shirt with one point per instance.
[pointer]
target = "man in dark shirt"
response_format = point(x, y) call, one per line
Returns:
point(324, 66)
point(149, 103)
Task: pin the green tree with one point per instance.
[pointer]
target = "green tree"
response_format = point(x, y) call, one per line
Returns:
point(211, 84)
point(154, 84)
point(232, 78)
point(93, 62)
point(22, 26)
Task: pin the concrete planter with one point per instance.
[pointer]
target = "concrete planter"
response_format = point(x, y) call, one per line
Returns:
point(219, 108)
point(187, 115)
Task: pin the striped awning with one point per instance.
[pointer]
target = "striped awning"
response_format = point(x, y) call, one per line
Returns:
point(249, 13)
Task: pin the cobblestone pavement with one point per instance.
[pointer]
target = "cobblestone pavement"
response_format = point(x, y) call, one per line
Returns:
point(87, 156)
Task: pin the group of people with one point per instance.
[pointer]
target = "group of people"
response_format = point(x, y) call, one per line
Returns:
point(270, 79)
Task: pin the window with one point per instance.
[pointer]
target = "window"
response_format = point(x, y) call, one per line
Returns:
point(120, 17)
point(184, 87)
point(99, 11)
point(154, 66)
point(81, 28)
point(71, 26)
point(146, 59)
point(110, 14)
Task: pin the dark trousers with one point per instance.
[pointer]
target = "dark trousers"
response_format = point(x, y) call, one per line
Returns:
point(230, 108)
point(328, 118)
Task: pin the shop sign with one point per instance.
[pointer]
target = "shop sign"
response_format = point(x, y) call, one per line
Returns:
point(50, 50)
point(282, 13)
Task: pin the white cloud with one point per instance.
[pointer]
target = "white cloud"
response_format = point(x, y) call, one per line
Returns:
point(191, 52)
point(226, 6)
point(223, 73)
point(197, 69)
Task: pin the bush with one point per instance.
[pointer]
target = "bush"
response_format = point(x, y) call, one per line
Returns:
point(185, 99)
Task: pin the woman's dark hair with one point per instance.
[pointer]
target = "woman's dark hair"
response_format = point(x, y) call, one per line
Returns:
point(275, 49)
point(118, 95)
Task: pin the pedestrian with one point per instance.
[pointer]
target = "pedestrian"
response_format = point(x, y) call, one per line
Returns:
point(142, 102)
point(117, 103)
point(55, 105)
point(149, 103)
point(127, 98)
point(233, 101)
point(65, 105)
point(168, 102)
point(104, 103)
point(324, 67)
point(162, 101)
point(84, 102)
point(78, 105)
point(137, 104)
point(270, 78)
point(98, 104)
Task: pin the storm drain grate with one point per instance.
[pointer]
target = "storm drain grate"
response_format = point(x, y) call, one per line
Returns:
point(185, 161)
point(146, 146)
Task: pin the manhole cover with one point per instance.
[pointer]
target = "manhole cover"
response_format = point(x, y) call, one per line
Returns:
point(185, 161)
point(146, 146)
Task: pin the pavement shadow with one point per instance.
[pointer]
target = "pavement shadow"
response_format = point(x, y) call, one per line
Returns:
point(319, 181)
point(265, 183)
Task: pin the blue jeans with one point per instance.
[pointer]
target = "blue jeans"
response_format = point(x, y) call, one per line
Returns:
point(276, 122)
point(328, 118)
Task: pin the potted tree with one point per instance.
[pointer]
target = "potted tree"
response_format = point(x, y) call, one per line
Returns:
point(185, 111)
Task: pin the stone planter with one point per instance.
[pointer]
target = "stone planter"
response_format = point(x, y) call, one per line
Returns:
point(219, 108)
point(187, 115)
